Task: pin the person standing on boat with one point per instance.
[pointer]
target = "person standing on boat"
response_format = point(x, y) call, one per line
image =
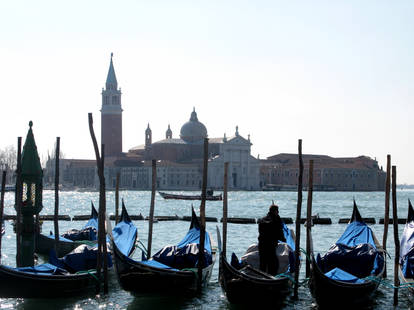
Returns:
point(270, 232)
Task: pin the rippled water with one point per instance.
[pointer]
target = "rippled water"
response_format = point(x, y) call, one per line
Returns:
point(335, 205)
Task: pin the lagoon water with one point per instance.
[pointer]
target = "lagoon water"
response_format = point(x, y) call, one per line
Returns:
point(335, 205)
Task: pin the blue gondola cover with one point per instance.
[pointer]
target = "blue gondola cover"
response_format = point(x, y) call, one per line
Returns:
point(43, 269)
point(407, 251)
point(185, 254)
point(125, 235)
point(354, 255)
point(82, 258)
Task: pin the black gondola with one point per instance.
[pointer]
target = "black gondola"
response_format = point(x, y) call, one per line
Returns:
point(350, 272)
point(190, 197)
point(156, 275)
point(45, 243)
point(51, 281)
point(406, 262)
point(244, 283)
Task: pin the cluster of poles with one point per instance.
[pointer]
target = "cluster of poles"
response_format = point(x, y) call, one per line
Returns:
point(102, 258)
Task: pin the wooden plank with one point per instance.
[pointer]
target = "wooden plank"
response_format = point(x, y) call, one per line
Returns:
point(368, 220)
point(240, 220)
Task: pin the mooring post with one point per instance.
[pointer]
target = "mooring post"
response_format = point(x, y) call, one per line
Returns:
point(56, 214)
point(102, 258)
point(298, 216)
point(226, 169)
point(117, 198)
point(151, 215)
point(387, 210)
point(3, 190)
point(102, 214)
point(18, 203)
point(309, 217)
point(201, 258)
point(396, 239)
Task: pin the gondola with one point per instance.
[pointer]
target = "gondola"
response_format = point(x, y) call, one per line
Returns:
point(406, 263)
point(190, 197)
point(244, 283)
point(350, 272)
point(52, 281)
point(171, 270)
point(44, 243)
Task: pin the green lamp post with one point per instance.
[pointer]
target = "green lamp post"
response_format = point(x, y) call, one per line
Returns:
point(31, 200)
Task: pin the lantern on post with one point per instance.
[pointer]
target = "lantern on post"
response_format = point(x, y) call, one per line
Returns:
point(31, 199)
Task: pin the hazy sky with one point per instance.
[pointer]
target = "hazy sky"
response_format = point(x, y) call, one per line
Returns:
point(337, 74)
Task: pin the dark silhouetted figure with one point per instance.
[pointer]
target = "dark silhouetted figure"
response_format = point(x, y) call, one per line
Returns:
point(270, 232)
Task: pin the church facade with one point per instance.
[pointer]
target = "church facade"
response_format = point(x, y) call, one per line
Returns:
point(179, 159)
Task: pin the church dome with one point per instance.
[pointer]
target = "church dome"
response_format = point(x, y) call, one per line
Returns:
point(193, 130)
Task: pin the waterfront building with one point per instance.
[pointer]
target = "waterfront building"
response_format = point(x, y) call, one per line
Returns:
point(280, 172)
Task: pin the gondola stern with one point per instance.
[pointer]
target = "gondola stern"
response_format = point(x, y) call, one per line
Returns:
point(124, 214)
point(194, 220)
point(94, 213)
point(356, 216)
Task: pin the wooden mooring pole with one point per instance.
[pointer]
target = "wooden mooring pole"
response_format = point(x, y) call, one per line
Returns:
point(396, 239)
point(201, 258)
point(226, 169)
point(56, 214)
point(298, 216)
point(387, 210)
point(151, 215)
point(102, 258)
point(309, 217)
point(117, 198)
point(18, 202)
point(3, 190)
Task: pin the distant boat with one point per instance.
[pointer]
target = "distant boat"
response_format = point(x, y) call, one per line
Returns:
point(209, 196)
point(9, 188)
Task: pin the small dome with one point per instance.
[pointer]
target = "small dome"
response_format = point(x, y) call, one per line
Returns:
point(193, 130)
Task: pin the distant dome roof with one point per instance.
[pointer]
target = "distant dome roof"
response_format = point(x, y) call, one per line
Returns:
point(193, 130)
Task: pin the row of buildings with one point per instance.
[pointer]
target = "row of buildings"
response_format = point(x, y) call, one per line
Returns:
point(180, 160)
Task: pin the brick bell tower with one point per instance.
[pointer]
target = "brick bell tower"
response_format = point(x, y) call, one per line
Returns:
point(111, 115)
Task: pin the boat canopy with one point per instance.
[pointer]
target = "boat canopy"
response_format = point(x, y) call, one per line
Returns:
point(354, 255)
point(125, 235)
point(357, 233)
point(407, 250)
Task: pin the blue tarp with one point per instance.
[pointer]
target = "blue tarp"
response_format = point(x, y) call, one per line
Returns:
point(407, 250)
point(154, 263)
point(354, 254)
point(82, 258)
point(193, 236)
point(52, 236)
point(125, 235)
point(357, 233)
point(43, 269)
point(93, 222)
point(87, 233)
point(185, 254)
point(341, 275)
point(288, 237)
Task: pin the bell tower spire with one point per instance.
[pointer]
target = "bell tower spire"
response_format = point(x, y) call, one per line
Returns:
point(111, 114)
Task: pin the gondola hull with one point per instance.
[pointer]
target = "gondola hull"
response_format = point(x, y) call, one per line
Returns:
point(17, 284)
point(241, 288)
point(329, 292)
point(137, 277)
